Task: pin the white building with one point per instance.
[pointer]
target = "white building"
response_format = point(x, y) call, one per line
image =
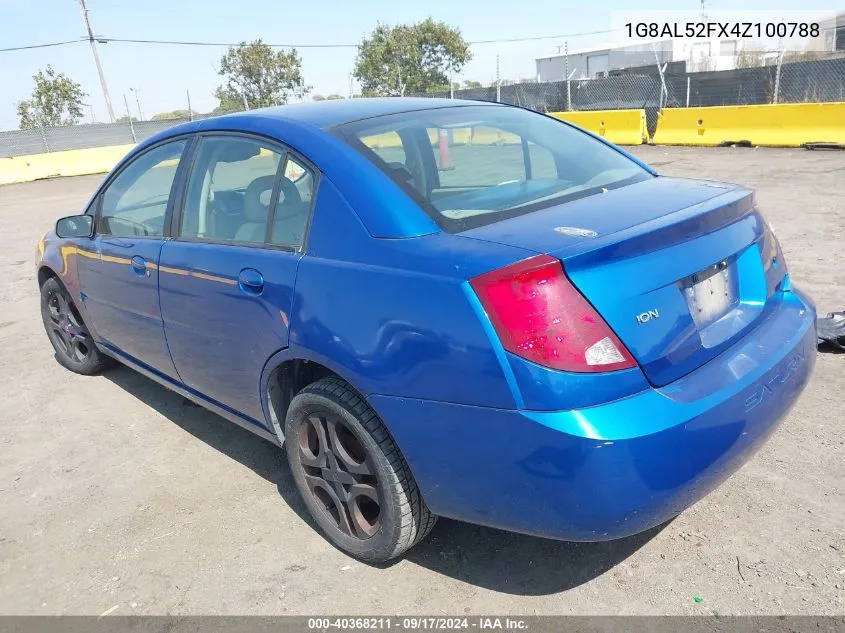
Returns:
point(832, 33)
point(699, 55)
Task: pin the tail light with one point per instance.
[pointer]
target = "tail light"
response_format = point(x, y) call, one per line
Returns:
point(540, 316)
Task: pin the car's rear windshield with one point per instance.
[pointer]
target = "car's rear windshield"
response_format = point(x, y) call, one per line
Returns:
point(468, 166)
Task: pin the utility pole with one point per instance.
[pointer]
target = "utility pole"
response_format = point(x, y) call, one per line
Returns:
point(190, 110)
point(136, 92)
point(93, 43)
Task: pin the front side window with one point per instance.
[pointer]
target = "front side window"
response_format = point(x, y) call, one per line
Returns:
point(472, 165)
point(135, 202)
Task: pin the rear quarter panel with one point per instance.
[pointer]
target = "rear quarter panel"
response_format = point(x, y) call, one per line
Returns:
point(392, 316)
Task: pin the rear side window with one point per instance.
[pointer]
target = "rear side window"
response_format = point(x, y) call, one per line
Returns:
point(467, 166)
point(229, 190)
point(135, 202)
point(295, 195)
point(387, 145)
point(243, 190)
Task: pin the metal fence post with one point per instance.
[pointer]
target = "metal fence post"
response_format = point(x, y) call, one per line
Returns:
point(190, 111)
point(664, 94)
point(688, 90)
point(129, 118)
point(43, 136)
point(777, 77)
point(567, 75)
point(243, 94)
point(498, 82)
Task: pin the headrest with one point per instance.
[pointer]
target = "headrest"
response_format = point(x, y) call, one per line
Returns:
point(257, 198)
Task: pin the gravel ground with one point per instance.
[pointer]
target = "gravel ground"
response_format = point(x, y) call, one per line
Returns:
point(117, 495)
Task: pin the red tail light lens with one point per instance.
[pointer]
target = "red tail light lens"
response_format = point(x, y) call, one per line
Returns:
point(540, 316)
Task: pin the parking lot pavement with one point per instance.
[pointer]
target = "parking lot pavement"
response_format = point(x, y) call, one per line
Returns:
point(117, 494)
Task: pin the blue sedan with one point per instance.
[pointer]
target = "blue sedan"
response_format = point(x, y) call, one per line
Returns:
point(440, 308)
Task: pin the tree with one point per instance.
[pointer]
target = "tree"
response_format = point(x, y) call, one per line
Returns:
point(56, 100)
point(173, 114)
point(751, 55)
point(805, 55)
point(259, 76)
point(469, 83)
point(412, 58)
point(331, 97)
point(125, 119)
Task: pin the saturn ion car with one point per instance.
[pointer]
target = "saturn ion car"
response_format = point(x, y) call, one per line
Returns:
point(440, 308)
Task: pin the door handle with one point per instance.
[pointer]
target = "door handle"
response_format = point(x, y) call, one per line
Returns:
point(139, 266)
point(251, 282)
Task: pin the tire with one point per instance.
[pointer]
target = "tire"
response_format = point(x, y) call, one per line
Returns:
point(360, 491)
point(72, 342)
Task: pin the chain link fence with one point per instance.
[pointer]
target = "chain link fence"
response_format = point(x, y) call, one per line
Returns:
point(84, 136)
point(812, 81)
point(650, 88)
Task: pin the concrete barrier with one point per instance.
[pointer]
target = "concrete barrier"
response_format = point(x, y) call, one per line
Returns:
point(77, 162)
point(623, 127)
point(777, 125)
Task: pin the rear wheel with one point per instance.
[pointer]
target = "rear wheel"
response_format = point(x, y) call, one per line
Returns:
point(71, 340)
point(351, 475)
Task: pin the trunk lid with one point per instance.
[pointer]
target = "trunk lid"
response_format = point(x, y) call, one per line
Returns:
point(679, 269)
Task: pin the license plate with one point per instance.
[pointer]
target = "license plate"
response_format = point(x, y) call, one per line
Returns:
point(711, 293)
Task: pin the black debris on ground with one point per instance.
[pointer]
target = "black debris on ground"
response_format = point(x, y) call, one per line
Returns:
point(831, 331)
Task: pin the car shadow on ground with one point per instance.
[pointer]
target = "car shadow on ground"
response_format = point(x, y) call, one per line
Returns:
point(489, 558)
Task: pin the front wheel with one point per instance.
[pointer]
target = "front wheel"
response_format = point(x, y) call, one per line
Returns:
point(351, 475)
point(71, 340)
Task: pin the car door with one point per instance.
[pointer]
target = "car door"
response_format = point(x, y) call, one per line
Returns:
point(118, 272)
point(227, 277)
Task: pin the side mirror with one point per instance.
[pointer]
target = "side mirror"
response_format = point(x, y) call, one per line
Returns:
point(75, 226)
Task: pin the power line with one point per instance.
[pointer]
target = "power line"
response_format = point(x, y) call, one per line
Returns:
point(495, 41)
point(183, 43)
point(542, 37)
point(31, 46)
point(119, 40)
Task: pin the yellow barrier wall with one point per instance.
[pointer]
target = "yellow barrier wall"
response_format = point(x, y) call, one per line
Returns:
point(460, 136)
point(77, 162)
point(623, 127)
point(779, 125)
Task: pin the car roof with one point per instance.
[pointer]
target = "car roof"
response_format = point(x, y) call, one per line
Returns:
point(329, 113)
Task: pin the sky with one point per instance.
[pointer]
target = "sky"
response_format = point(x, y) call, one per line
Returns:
point(161, 75)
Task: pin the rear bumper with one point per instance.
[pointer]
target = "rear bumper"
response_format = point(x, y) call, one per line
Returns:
point(612, 470)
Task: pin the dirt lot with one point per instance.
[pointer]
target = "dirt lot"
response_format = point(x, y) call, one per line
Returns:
point(116, 494)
